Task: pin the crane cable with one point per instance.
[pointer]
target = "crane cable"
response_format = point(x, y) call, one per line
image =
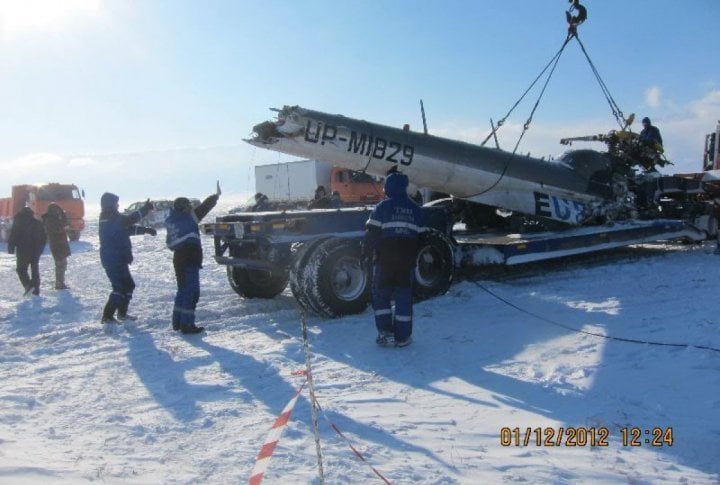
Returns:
point(616, 111)
point(554, 62)
point(593, 334)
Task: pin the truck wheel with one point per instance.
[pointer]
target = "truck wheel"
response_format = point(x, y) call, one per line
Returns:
point(435, 265)
point(333, 280)
point(74, 235)
point(253, 283)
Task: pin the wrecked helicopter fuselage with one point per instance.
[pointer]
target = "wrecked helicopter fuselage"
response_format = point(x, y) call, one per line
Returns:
point(580, 186)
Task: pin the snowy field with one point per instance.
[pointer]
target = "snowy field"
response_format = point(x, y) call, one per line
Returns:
point(138, 403)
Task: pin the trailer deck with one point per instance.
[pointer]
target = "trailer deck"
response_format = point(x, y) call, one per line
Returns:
point(510, 249)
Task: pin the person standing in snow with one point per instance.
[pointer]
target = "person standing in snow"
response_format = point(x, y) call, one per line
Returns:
point(55, 222)
point(27, 241)
point(183, 239)
point(116, 253)
point(390, 245)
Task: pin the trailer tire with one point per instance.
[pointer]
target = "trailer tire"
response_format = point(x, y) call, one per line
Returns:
point(297, 268)
point(712, 227)
point(435, 266)
point(333, 280)
point(253, 283)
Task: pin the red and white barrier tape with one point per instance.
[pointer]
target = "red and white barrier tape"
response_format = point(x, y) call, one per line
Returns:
point(273, 437)
point(357, 453)
point(263, 458)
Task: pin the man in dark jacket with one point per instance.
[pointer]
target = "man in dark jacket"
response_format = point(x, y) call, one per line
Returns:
point(27, 241)
point(391, 243)
point(116, 253)
point(56, 224)
point(262, 203)
point(650, 135)
point(183, 238)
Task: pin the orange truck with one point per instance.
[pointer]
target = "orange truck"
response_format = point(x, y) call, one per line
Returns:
point(38, 198)
point(295, 183)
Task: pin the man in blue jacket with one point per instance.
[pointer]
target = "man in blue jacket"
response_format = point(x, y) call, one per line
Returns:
point(391, 244)
point(183, 238)
point(116, 253)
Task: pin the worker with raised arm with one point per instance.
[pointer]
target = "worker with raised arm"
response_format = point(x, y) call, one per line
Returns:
point(183, 238)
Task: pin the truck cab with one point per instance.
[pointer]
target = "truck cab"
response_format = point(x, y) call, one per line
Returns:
point(38, 198)
point(68, 197)
point(356, 187)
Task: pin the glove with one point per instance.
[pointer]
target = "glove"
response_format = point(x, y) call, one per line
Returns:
point(148, 207)
point(150, 230)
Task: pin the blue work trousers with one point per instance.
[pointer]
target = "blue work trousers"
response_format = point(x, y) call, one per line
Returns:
point(187, 296)
point(398, 322)
point(122, 286)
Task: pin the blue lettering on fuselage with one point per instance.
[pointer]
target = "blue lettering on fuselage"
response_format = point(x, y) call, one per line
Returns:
point(559, 208)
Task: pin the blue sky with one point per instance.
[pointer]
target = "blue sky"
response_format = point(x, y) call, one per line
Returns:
point(153, 97)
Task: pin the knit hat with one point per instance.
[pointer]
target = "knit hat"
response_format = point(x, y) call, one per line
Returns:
point(181, 203)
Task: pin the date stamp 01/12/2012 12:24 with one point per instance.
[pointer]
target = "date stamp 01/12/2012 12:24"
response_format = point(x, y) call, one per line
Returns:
point(582, 436)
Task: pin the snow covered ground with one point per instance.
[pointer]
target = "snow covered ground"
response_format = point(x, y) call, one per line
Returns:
point(139, 403)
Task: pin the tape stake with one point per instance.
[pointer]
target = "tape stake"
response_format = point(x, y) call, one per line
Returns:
point(263, 459)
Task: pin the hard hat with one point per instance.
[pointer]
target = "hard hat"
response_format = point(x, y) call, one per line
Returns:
point(646, 120)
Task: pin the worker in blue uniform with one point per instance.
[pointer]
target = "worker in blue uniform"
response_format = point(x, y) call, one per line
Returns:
point(116, 256)
point(183, 238)
point(390, 245)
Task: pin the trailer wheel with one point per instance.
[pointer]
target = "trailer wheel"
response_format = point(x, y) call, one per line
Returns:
point(435, 265)
point(333, 280)
point(712, 227)
point(299, 264)
point(253, 283)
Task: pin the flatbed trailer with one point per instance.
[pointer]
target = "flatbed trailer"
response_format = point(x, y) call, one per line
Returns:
point(319, 252)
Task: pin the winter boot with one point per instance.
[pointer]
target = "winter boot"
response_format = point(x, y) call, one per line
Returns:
point(190, 329)
point(60, 267)
point(108, 315)
point(385, 339)
point(403, 343)
point(122, 312)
